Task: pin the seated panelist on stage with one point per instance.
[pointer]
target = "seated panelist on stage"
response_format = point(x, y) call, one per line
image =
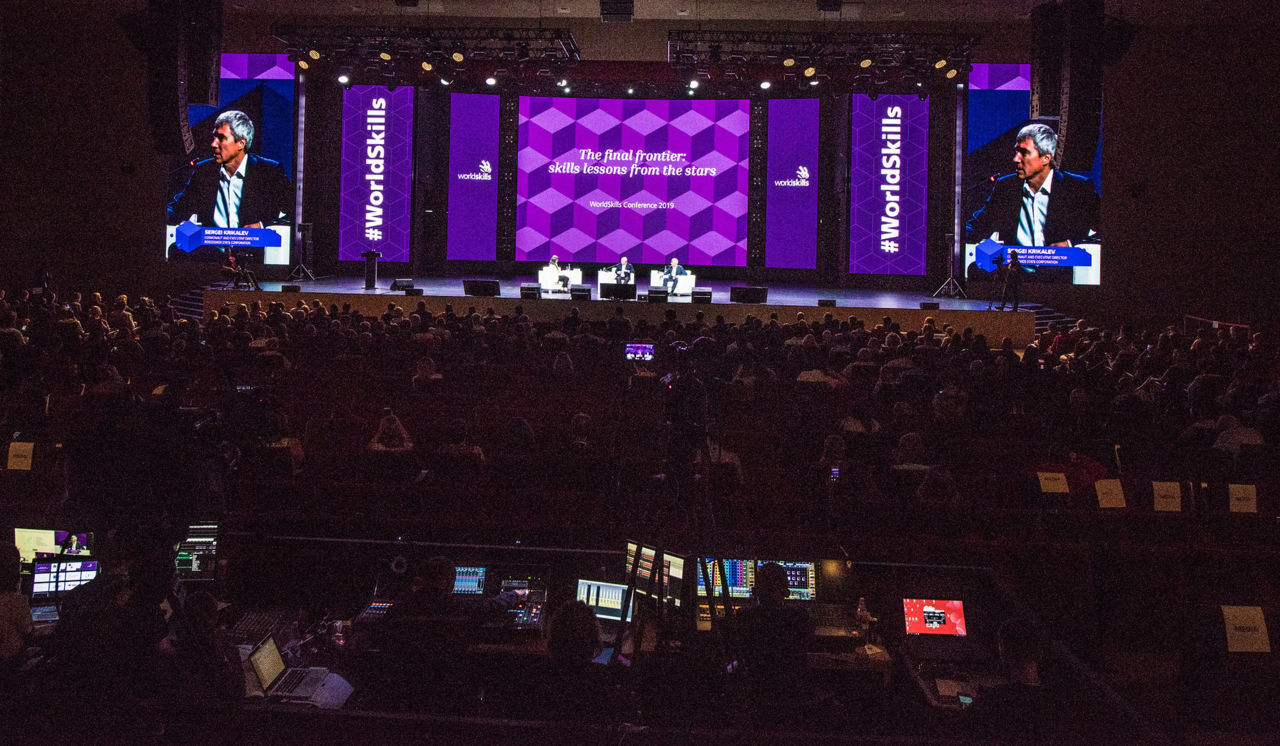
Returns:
point(561, 277)
point(1037, 205)
point(234, 188)
point(670, 273)
point(622, 272)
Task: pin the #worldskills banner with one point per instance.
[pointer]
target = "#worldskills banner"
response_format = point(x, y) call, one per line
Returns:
point(377, 173)
point(889, 185)
point(473, 176)
point(791, 187)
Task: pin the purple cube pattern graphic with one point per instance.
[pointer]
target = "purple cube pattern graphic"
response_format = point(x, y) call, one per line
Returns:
point(598, 217)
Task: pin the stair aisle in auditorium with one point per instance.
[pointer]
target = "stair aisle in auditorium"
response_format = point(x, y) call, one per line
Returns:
point(1046, 316)
point(189, 305)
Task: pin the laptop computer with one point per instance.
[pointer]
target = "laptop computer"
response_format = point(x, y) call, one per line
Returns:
point(51, 580)
point(937, 629)
point(278, 681)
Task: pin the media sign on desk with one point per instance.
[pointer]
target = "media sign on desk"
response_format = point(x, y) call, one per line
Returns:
point(889, 185)
point(377, 173)
point(651, 179)
point(473, 176)
point(791, 186)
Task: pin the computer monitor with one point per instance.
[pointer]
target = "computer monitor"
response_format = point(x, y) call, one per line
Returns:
point(638, 351)
point(931, 616)
point(33, 540)
point(802, 578)
point(51, 579)
point(605, 599)
point(740, 573)
point(468, 580)
point(644, 569)
point(196, 558)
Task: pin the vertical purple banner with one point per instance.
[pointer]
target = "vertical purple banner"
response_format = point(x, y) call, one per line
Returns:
point(377, 173)
point(653, 179)
point(473, 180)
point(889, 186)
point(791, 190)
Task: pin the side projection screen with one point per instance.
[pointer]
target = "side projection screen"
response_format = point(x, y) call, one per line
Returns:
point(652, 179)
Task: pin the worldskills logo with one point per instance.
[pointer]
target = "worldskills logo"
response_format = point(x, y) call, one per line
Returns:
point(484, 173)
point(801, 179)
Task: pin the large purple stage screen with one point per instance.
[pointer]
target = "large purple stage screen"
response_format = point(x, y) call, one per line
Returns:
point(377, 173)
point(652, 179)
point(473, 176)
point(791, 189)
point(889, 186)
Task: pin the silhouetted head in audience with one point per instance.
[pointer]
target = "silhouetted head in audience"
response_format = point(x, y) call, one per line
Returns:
point(574, 638)
point(10, 567)
point(771, 585)
point(1021, 651)
point(438, 576)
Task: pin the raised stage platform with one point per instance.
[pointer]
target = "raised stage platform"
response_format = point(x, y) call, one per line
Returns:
point(785, 299)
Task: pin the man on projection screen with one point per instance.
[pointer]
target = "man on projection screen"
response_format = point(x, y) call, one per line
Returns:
point(234, 188)
point(1037, 205)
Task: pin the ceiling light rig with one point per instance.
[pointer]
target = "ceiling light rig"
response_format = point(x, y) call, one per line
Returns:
point(406, 55)
point(850, 61)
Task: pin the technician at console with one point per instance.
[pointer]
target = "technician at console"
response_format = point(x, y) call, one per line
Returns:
point(1037, 205)
point(234, 188)
point(425, 636)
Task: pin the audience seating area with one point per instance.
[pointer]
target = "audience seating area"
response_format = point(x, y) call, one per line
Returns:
point(1123, 482)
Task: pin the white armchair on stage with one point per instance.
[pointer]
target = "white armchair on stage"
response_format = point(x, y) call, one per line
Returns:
point(684, 283)
point(549, 279)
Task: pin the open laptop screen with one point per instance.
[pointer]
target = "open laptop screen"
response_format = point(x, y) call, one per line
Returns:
point(52, 579)
point(931, 616)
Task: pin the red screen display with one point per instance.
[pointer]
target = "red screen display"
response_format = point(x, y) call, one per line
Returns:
point(931, 616)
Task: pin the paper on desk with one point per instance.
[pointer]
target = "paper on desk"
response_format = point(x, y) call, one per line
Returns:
point(1246, 629)
point(333, 693)
point(1110, 493)
point(1053, 482)
point(1242, 498)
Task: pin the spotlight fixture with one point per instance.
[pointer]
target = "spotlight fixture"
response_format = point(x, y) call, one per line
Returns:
point(810, 71)
point(490, 80)
point(444, 81)
point(630, 91)
point(691, 91)
point(952, 73)
point(566, 89)
point(693, 83)
point(813, 82)
point(384, 56)
point(314, 54)
point(344, 79)
point(563, 83)
point(866, 62)
point(457, 57)
point(789, 62)
point(939, 64)
point(765, 85)
point(427, 66)
point(303, 64)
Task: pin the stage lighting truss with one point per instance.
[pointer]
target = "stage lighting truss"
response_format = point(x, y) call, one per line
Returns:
point(882, 62)
point(409, 55)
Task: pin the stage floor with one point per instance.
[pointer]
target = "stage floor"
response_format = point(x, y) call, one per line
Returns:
point(780, 294)
point(785, 299)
